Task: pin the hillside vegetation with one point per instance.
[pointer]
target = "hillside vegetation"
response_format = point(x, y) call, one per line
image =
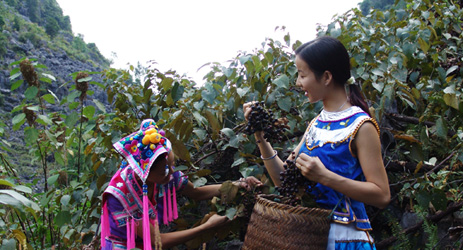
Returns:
point(41, 23)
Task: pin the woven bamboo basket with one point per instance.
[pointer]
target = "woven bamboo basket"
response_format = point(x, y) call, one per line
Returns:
point(275, 225)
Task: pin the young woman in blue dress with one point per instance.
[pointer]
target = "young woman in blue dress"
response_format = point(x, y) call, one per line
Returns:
point(340, 149)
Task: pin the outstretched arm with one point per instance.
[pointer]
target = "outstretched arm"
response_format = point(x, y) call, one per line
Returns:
point(206, 192)
point(272, 162)
point(178, 237)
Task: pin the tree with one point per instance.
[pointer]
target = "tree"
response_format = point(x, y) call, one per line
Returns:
point(366, 5)
point(17, 23)
point(33, 10)
point(52, 28)
point(2, 22)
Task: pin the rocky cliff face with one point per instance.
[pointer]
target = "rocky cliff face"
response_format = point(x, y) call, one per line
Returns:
point(58, 63)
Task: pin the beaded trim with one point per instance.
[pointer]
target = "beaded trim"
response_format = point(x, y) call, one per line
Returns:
point(351, 135)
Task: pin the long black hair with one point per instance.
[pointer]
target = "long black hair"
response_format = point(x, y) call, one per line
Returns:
point(329, 54)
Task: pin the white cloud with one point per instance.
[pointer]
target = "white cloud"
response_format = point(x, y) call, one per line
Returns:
point(183, 35)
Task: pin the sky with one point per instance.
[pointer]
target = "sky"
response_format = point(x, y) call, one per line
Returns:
point(183, 35)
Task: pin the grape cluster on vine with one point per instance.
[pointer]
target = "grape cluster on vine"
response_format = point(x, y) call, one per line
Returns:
point(292, 182)
point(261, 119)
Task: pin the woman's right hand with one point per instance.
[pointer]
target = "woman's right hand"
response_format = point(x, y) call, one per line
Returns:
point(247, 109)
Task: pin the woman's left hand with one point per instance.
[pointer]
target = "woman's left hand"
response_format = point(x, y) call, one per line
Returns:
point(248, 182)
point(311, 167)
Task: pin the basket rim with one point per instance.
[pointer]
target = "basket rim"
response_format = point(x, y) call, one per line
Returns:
point(264, 200)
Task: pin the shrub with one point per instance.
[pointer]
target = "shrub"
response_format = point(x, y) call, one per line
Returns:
point(52, 27)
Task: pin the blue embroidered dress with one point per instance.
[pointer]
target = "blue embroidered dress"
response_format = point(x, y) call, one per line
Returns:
point(329, 137)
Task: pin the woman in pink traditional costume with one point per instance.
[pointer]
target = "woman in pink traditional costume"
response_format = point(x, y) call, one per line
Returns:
point(143, 192)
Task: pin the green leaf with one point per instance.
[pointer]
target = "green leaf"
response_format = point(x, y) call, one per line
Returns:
point(181, 168)
point(89, 111)
point(18, 118)
point(46, 120)
point(238, 162)
point(198, 105)
point(177, 92)
point(71, 119)
point(285, 103)
point(18, 198)
point(23, 189)
point(98, 84)
point(254, 170)
point(400, 74)
point(31, 92)
point(230, 213)
point(200, 182)
point(244, 59)
point(9, 200)
point(228, 72)
point(166, 83)
point(99, 105)
point(51, 137)
point(15, 71)
point(377, 71)
point(451, 69)
point(452, 100)
point(441, 128)
point(242, 91)
point(228, 192)
point(49, 76)
point(169, 100)
point(179, 147)
point(33, 108)
point(282, 81)
point(200, 133)
point(15, 75)
point(63, 217)
point(6, 183)
point(85, 79)
point(45, 79)
point(31, 135)
point(19, 124)
point(73, 95)
point(423, 45)
point(73, 105)
point(199, 118)
point(16, 84)
point(234, 142)
point(65, 199)
point(209, 95)
point(52, 179)
point(228, 132)
point(49, 98)
point(59, 158)
point(213, 121)
point(8, 244)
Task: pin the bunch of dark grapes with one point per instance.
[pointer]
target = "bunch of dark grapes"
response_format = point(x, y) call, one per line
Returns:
point(261, 119)
point(292, 182)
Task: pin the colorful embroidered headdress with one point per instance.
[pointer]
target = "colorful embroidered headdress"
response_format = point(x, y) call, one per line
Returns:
point(141, 148)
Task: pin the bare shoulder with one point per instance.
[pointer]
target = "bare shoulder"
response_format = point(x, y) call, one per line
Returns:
point(367, 137)
point(368, 129)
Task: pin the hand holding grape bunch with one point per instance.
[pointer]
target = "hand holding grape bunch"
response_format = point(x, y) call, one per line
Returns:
point(261, 119)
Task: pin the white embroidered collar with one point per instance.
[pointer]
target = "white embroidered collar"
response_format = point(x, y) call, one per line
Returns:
point(326, 116)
